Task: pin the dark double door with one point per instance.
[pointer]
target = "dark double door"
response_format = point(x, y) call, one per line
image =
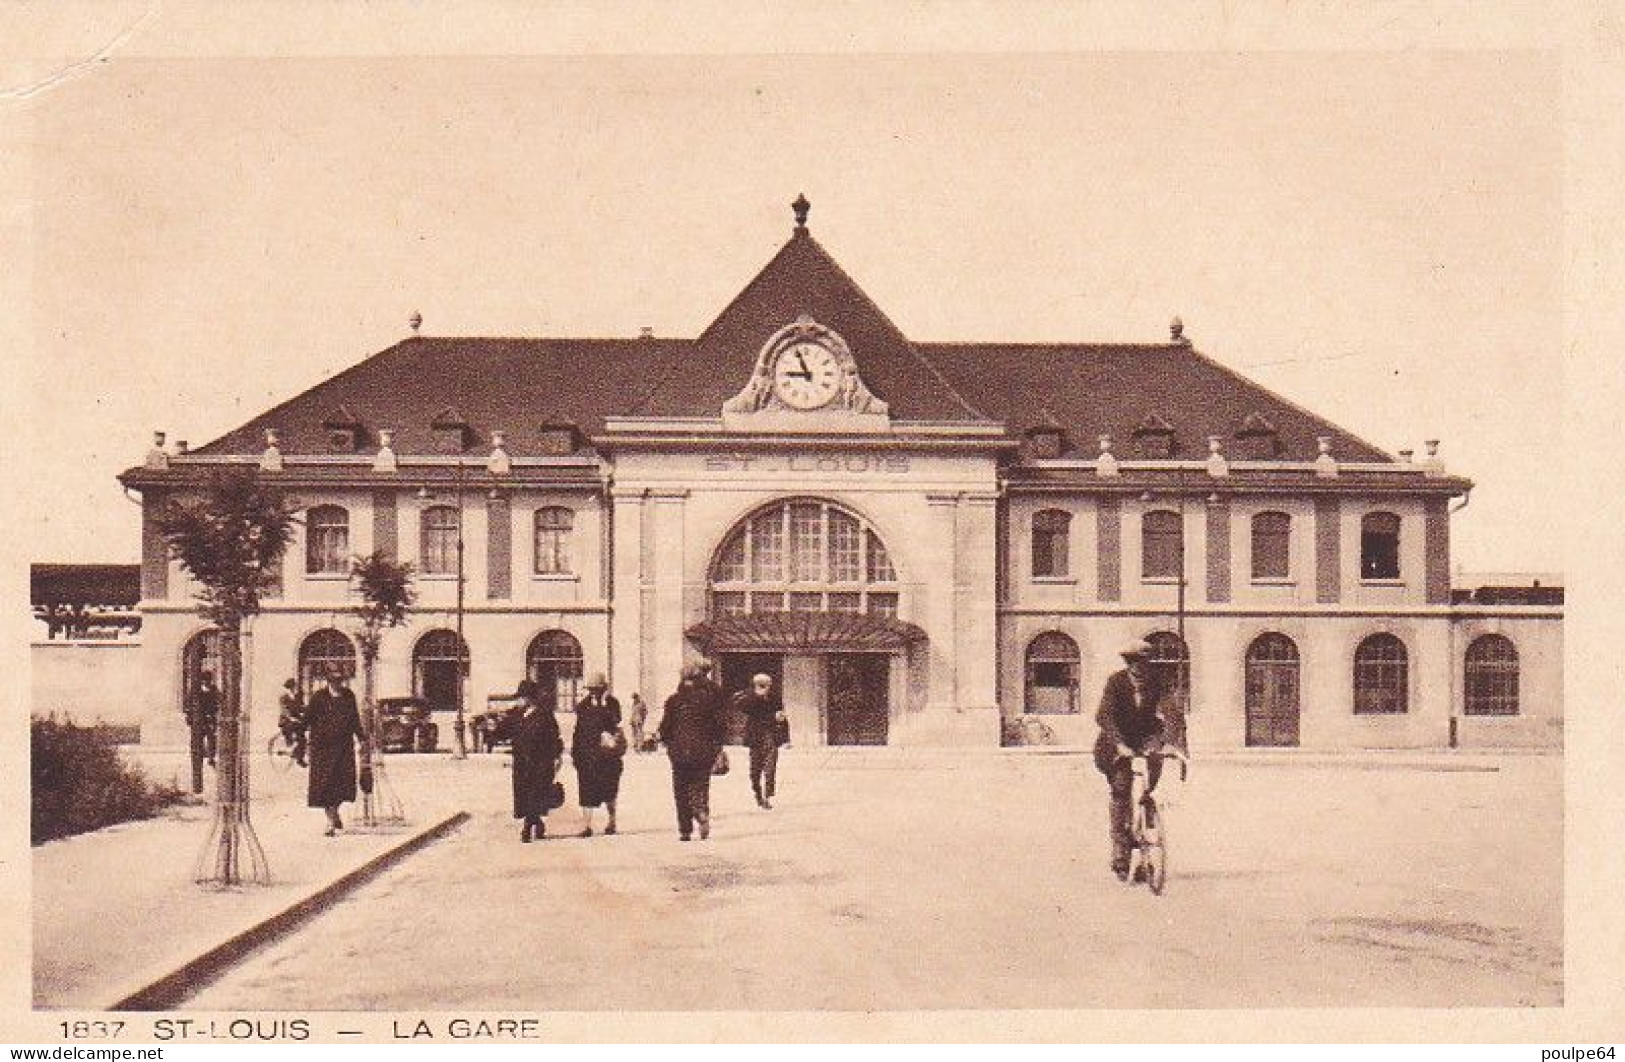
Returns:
point(857, 701)
point(857, 698)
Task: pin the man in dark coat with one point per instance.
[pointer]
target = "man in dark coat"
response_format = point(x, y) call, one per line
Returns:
point(203, 716)
point(332, 727)
point(1130, 724)
point(596, 748)
point(764, 732)
point(537, 749)
point(692, 730)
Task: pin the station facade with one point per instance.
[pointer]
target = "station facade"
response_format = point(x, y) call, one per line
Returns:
point(927, 543)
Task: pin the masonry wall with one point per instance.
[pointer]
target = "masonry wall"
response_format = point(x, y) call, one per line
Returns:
point(88, 681)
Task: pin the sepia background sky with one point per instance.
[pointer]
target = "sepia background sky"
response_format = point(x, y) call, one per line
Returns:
point(1376, 236)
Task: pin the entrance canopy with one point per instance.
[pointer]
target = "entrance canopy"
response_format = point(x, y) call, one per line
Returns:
point(847, 632)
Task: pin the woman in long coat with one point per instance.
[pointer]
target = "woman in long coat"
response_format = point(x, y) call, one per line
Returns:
point(596, 749)
point(537, 748)
point(332, 727)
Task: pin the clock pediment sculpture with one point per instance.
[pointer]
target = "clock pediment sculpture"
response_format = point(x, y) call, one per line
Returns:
point(806, 379)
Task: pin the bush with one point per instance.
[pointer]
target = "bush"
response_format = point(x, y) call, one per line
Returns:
point(80, 783)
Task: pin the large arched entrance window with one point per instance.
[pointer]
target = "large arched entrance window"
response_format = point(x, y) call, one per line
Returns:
point(1052, 674)
point(803, 555)
point(435, 669)
point(320, 650)
point(1272, 691)
point(1492, 676)
point(554, 662)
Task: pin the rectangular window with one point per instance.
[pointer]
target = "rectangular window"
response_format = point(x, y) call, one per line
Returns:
point(883, 605)
point(439, 541)
point(1379, 546)
point(844, 550)
point(767, 549)
point(1271, 545)
point(729, 603)
point(845, 602)
point(327, 546)
point(804, 602)
point(806, 543)
point(553, 526)
point(1162, 546)
point(1051, 532)
point(760, 602)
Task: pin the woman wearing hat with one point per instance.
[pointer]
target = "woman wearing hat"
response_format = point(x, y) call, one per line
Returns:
point(537, 748)
point(332, 726)
point(596, 749)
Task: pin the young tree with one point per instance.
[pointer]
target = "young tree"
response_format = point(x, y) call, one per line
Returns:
point(231, 540)
point(385, 586)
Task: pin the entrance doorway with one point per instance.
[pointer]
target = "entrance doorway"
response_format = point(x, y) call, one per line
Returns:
point(435, 667)
point(858, 704)
point(1272, 691)
point(737, 670)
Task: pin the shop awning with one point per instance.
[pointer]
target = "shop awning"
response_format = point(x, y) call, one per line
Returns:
point(848, 632)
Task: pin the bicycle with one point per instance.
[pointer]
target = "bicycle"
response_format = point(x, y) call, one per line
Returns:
point(1148, 860)
point(281, 751)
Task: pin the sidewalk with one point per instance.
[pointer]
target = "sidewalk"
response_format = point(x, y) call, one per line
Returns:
point(117, 909)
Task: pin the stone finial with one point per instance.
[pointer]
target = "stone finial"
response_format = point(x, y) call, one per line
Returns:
point(646, 332)
point(801, 207)
point(416, 321)
point(271, 458)
point(1325, 464)
point(1405, 456)
point(157, 457)
point(1106, 464)
point(499, 463)
point(385, 460)
point(1176, 332)
point(1216, 464)
point(1434, 463)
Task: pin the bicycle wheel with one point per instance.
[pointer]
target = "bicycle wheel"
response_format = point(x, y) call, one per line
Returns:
point(281, 755)
point(1156, 849)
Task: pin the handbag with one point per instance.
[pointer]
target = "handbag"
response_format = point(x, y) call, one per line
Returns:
point(555, 796)
point(721, 764)
point(364, 780)
point(616, 748)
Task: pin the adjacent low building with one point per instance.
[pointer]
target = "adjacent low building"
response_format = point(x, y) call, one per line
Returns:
point(926, 542)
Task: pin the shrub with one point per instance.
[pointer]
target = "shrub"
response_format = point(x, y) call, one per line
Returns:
point(80, 783)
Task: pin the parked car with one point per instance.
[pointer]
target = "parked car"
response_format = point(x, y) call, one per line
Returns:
point(405, 725)
point(494, 725)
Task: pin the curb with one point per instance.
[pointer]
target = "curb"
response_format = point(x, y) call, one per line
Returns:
point(170, 990)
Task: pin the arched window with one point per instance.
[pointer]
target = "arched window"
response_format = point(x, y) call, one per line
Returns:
point(1492, 676)
point(1272, 691)
point(327, 540)
point(1272, 538)
point(804, 555)
point(1379, 546)
point(1380, 676)
point(435, 671)
point(1052, 674)
point(201, 654)
point(1051, 532)
point(320, 650)
point(1162, 545)
point(554, 662)
point(438, 552)
point(553, 526)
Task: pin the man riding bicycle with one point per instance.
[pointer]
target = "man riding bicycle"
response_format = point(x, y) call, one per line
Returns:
point(1135, 716)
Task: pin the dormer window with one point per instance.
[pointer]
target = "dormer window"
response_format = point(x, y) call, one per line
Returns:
point(558, 438)
point(1257, 439)
point(452, 434)
point(344, 431)
point(1154, 439)
point(1046, 441)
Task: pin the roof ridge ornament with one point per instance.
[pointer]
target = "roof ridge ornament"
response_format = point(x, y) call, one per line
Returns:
point(801, 207)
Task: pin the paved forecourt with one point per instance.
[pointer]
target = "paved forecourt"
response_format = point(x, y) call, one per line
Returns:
point(966, 879)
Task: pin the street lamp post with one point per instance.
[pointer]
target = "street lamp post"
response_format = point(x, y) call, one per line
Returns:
point(459, 727)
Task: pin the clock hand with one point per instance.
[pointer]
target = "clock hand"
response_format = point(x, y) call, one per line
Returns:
point(805, 373)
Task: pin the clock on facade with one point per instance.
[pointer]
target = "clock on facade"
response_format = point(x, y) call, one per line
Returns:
point(806, 376)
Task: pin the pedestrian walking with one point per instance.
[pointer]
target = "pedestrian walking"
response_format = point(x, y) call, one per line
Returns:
point(203, 716)
point(691, 728)
point(537, 749)
point(332, 727)
point(766, 728)
point(640, 719)
point(596, 749)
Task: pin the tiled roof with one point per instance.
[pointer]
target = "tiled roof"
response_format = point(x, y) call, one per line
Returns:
point(87, 585)
point(1112, 389)
point(518, 385)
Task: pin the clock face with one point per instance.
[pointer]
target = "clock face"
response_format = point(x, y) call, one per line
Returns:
point(806, 376)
